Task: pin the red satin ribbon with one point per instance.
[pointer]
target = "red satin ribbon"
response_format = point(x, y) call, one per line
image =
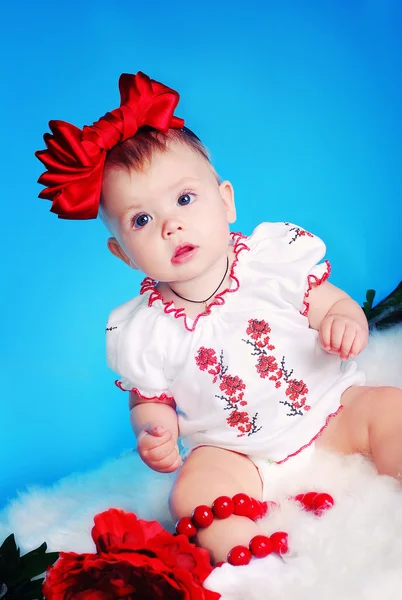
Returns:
point(75, 157)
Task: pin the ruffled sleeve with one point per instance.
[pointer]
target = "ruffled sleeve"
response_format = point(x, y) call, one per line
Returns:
point(136, 344)
point(290, 257)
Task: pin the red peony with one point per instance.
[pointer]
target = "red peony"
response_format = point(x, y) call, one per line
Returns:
point(135, 559)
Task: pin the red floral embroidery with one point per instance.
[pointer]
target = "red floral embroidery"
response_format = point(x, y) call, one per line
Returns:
point(205, 358)
point(299, 232)
point(232, 387)
point(257, 328)
point(267, 367)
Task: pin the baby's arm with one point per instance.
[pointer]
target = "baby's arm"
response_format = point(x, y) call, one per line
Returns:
point(341, 323)
point(156, 427)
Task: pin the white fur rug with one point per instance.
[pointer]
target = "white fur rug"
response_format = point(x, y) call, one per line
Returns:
point(352, 552)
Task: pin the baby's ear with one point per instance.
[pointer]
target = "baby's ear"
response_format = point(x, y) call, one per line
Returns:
point(118, 251)
point(227, 194)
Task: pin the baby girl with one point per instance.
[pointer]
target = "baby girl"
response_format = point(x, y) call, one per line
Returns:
point(236, 343)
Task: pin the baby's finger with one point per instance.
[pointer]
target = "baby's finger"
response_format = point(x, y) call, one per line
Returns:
point(147, 441)
point(156, 430)
point(167, 461)
point(347, 341)
point(337, 332)
point(325, 334)
point(161, 452)
point(357, 346)
point(178, 462)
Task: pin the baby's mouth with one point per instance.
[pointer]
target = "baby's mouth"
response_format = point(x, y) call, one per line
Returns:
point(183, 249)
point(183, 253)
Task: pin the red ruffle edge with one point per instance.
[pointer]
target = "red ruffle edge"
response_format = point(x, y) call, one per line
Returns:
point(163, 398)
point(313, 280)
point(279, 462)
point(149, 285)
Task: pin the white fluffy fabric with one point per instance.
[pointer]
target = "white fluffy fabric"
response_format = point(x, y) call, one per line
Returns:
point(352, 552)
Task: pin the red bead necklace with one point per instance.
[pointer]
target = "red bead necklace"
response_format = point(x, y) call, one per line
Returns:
point(245, 506)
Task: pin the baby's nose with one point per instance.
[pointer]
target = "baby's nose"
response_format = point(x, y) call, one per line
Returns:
point(171, 226)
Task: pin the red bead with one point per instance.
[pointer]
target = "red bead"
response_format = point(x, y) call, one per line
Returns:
point(202, 516)
point(261, 546)
point(308, 499)
point(223, 507)
point(186, 526)
point(239, 556)
point(242, 505)
point(254, 509)
point(322, 502)
point(279, 541)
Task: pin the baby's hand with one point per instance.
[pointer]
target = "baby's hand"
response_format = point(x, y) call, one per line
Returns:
point(342, 335)
point(158, 449)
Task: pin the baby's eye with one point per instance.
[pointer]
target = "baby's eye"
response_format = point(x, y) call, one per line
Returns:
point(185, 199)
point(140, 220)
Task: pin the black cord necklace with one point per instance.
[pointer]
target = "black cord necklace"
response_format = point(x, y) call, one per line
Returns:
point(209, 297)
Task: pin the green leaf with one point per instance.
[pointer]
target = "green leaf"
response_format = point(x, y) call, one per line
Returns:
point(37, 561)
point(389, 311)
point(29, 590)
point(9, 559)
point(369, 302)
point(9, 549)
point(16, 572)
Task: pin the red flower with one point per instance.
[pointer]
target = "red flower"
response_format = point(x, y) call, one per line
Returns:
point(236, 417)
point(296, 388)
point(206, 357)
point(231, 385)
point(266, 365)
point(135, 559)
point(257, 328)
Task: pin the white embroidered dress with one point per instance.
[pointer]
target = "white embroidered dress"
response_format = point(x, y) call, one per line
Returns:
point(249, 375)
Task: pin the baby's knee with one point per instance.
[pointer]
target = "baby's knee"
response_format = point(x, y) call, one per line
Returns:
point(180, 500)
point(199, 485)
point(385, 398)
point(211, 472)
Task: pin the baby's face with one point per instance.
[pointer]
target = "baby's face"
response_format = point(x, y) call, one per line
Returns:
point(176, 201)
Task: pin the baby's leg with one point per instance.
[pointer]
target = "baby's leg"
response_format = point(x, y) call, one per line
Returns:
point(210, 472)
point(370, 423)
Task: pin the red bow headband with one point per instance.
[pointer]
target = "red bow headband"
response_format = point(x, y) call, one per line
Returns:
point(74, 158)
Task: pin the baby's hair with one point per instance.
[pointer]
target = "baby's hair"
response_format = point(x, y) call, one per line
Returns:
point(135, 152)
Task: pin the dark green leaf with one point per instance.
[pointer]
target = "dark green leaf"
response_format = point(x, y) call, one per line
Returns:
point(9, 559)
point(29, 590)
point(16, 572)
point(385, 320)
point(9, 548)
point(389, 311)
point(37, 561)
point(369, 302)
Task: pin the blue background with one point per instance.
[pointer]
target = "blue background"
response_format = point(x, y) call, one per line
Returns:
point(300, 105)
